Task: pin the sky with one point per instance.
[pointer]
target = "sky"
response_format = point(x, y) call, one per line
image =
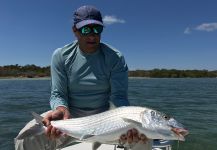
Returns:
point(169, 34)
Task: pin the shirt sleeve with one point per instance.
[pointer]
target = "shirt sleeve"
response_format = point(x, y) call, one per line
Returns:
point(59, 92)
point(119, 83)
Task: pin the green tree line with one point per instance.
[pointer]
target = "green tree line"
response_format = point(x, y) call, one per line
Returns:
point(29, 71)
point(32, 71)
point(173, 73)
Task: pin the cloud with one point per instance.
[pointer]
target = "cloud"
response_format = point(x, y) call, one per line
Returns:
point(187, 30)
point(112, 19)
point(207, 27)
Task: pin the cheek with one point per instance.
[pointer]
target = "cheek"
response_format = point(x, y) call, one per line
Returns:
point(98, 38)
point(80, 38)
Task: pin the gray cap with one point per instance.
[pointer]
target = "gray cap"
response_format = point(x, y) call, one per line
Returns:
point(87, 15)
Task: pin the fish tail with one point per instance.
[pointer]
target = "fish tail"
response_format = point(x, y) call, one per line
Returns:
point(32, 128)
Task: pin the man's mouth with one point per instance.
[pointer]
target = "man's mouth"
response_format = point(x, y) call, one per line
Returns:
point(91, 43)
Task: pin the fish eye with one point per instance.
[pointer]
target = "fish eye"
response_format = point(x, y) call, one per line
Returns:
point(166, 117)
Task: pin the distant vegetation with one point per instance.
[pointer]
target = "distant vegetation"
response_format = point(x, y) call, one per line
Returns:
point(33, 71)
point(29, 71)
point(173, 73)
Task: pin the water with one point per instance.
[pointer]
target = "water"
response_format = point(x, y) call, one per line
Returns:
point(191, 101)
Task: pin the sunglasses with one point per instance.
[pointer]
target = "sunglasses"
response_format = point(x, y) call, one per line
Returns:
point(87, 30)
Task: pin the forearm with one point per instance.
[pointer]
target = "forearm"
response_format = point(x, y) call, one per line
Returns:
point(59, 92)
point(57, 102)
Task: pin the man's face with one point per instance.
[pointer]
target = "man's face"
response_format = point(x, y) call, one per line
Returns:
point(88, 37)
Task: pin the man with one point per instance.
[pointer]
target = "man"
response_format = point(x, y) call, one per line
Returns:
point(86, 77)
point(86, 74)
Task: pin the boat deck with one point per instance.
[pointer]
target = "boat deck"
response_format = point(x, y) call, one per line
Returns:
point(158, 145)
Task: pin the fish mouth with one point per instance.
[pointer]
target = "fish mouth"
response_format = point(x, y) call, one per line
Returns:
point(180, 132)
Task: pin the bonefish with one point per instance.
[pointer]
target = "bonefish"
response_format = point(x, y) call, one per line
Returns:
point(107, 127)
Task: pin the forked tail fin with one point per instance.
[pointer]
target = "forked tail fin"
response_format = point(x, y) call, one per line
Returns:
point(33, 128)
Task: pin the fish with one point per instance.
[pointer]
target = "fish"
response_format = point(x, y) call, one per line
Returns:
point(108, 126)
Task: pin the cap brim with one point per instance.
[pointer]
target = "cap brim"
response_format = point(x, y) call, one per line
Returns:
point(87, 22)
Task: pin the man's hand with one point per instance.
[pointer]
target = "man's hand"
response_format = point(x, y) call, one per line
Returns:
point(61, 113)
point(132, 137)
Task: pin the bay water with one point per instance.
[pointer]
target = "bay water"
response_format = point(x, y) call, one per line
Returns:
point(191, 101)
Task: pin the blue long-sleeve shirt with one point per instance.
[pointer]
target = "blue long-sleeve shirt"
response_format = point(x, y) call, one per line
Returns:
point(85, 80)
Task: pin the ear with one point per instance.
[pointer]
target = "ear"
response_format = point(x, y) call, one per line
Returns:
point(74, 29)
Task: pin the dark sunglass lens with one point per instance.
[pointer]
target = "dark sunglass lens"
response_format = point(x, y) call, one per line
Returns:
point(97, 29)
point(85, 30)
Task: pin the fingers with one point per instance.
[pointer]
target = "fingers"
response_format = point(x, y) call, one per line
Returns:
point(133, 136)
point(52, 132)
point(52, 115)
point(66, 115)
point(129, 136)
point(55, 133)
point(46, 120)
point(58, 114)
point(48, 131)
point(123, 139)
point(65, 112)
point(143, 139)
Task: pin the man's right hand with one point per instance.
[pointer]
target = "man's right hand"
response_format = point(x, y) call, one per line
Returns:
point(61, 113)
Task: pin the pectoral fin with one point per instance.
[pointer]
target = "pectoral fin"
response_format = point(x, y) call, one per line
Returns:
point(87, 135)
point(132, 121)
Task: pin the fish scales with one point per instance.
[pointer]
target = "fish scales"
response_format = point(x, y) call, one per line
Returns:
point(107, 127)
point(103, 118)
point(108, 124)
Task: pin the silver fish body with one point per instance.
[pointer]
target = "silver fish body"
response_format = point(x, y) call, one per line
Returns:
point(107, 127)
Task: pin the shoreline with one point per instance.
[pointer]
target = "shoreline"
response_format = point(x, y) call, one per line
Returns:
point(24, 78)
point(130, 77)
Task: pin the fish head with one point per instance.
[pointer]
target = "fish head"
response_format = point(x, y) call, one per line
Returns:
point(163, 124)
